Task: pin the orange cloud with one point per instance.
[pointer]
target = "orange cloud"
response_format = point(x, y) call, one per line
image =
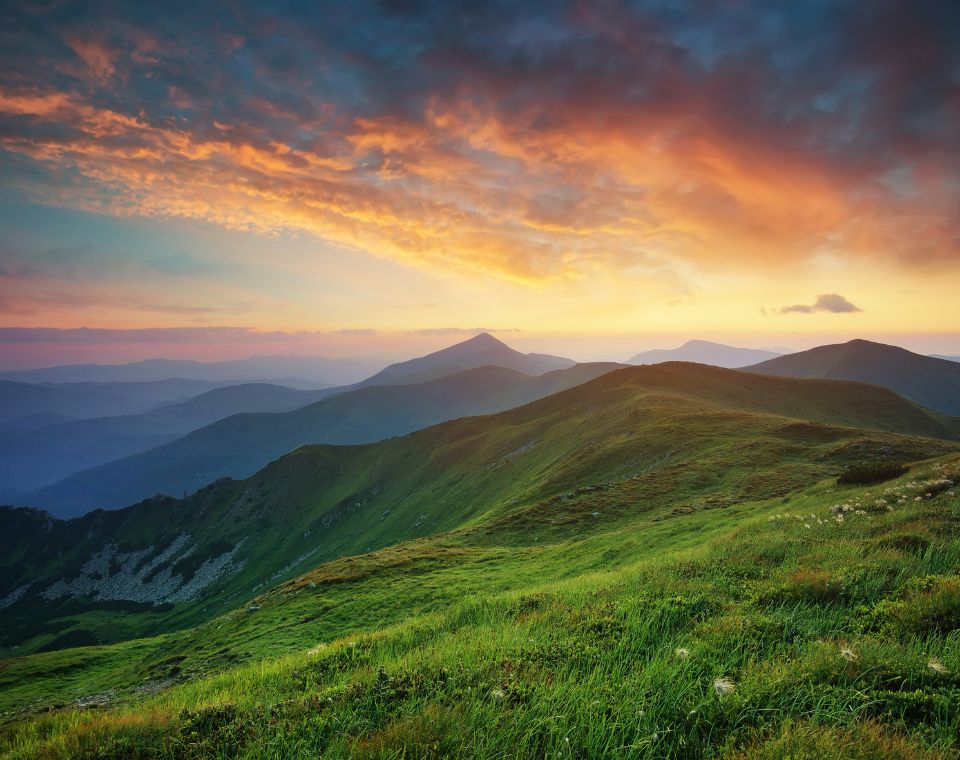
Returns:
point(97, 57)
point(467, 190)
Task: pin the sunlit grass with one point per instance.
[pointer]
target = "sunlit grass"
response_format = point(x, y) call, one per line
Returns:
point(770, 629)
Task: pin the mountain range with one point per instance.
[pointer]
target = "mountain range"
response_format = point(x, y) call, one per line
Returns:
point(690, 534)
point(672, 433)
point(108, 462)
point(34, 460)
point(705, 352)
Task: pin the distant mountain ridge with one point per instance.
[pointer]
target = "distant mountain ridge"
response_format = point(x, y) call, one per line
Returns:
point(239, 445)
point(37, 458)
point(20, 400)
point(705, 352)
point(931, 382)
point(287, 370)
point(34, 460)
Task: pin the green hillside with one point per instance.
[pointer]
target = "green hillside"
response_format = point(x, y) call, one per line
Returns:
point(660, 576)
point(688, 435)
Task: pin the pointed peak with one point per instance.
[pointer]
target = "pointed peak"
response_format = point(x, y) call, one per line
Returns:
point(484, 340)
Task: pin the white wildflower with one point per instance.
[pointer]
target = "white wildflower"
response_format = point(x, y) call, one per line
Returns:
point(724, 686)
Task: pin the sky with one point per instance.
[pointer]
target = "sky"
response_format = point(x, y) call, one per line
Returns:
point(377, 177)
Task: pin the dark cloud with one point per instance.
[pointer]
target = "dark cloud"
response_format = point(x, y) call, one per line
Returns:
point(829, 302)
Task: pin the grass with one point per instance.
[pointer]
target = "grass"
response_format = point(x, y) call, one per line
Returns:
point(837, 638)
point(685, 437)
point(661, 565)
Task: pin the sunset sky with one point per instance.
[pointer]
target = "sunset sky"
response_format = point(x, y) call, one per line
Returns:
point(365, 177)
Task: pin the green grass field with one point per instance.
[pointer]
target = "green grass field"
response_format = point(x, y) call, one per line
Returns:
point(766, 629)
point(659, 577)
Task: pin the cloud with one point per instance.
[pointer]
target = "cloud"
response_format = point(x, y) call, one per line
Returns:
point(455, 331)
point(829, 302)
point(357, 332)
point(533, 142)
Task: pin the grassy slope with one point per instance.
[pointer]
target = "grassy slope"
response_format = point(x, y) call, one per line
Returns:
point(547, 622)
point(651, 429)
point(600, 642)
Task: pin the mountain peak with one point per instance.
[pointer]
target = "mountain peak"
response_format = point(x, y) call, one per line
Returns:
point(480, 350)
point(483, 340)
point(872, 344)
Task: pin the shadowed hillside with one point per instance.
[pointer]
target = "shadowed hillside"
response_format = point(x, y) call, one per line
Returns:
point(933, 383)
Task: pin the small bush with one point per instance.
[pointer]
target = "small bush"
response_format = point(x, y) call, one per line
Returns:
point(909, 543)
point(868, 473)
point(927, 605)
point(860, 741)
point(809, 586)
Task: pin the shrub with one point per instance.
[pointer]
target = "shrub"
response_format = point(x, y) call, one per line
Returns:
point(927, 605)
point(868, 473)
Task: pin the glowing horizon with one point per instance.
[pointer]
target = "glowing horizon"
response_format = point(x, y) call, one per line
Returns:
point(651, 171)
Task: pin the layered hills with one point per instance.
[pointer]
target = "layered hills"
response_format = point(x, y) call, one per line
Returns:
point(60, 401)
point(299, 371)
point(40, 457)
point(658, 562)
point(239, 445)
point(679, 434)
